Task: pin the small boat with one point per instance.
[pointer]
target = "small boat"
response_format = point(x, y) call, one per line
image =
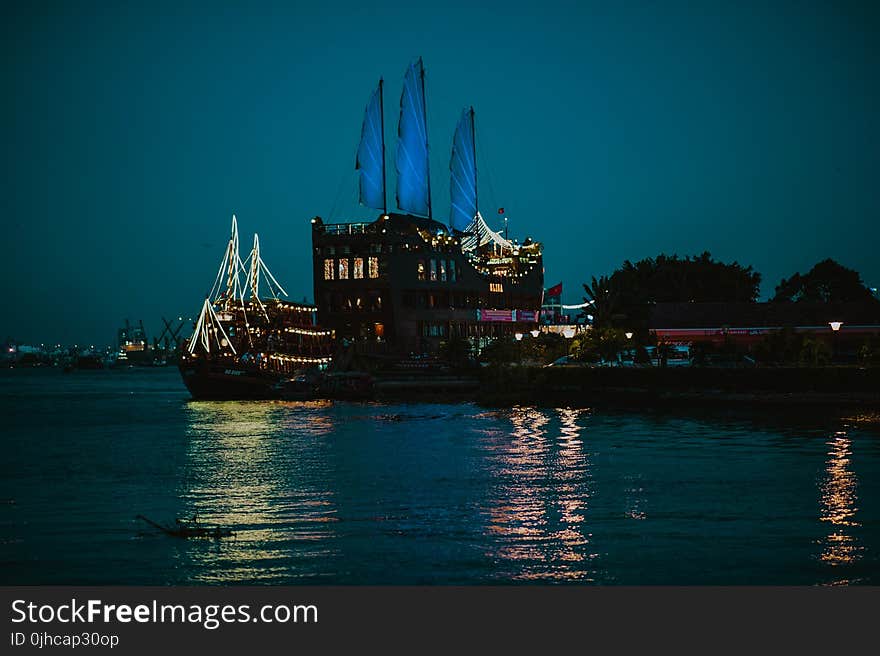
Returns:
point(189, 529)
point(302, 387)
point(346, 386)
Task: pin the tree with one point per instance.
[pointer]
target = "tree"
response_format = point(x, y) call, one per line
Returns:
point(602, 296)
point(782, 346)
point(827, 282)
point(816, 352)
point(671, 279)
point(598, 344)
point(503, 350)
point(544, 348)
point(624, 299)
point(869, 353)
point(456, 351)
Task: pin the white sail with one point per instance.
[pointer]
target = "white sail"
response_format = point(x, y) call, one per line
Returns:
point(209, 332)
point(478, 234)
point(232, 268)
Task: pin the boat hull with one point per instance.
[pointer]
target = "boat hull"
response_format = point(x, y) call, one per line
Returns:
point(223, 383)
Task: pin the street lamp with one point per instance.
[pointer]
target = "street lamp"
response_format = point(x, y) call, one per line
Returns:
point(835, 327)
point(536, 332)
point(518, 336)
point(629, 335)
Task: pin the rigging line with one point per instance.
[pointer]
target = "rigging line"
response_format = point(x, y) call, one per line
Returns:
point(342, 181)
point(481, 147)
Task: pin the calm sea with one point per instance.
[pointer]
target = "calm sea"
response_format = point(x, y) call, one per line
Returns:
point(358, 493)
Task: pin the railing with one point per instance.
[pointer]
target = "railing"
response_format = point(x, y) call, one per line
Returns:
point(345, 228)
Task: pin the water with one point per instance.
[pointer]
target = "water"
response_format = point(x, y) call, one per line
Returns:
point(353, 493)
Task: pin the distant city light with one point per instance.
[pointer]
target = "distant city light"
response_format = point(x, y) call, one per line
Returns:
point(518, 336)
point(835, 325)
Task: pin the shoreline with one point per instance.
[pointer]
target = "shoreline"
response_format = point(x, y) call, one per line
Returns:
point(829, 387)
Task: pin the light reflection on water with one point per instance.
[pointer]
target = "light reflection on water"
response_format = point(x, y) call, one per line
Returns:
point(838, 503)
point(272, 473)
point(248, 471)
point(539, 509)
point(425, 493)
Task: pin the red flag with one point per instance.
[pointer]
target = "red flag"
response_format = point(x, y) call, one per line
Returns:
point(556, 290)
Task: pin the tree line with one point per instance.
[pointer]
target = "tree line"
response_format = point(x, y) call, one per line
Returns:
point(624, 298)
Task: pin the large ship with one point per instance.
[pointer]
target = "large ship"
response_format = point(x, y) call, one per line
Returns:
point(247, 347)
point(133, 347)
point(403, 284)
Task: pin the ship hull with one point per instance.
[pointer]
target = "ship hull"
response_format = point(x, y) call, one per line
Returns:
point(224, 383)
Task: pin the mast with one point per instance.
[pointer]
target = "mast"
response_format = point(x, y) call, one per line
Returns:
point(232, 266)
point(427, 148)
point(382, 125)
point(474, 144)
point(463, 174)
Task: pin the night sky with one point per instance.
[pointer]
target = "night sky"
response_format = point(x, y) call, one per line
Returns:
point(609, 131)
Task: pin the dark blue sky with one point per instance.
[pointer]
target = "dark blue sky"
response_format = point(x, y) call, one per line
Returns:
point(607, 130)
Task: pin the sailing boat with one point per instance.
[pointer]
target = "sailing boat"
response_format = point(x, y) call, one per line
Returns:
point(405, 282)
point(244, 345)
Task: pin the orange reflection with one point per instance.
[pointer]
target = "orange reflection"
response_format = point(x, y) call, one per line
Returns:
point(838, 503)
point(540, 503)
point(250, 469)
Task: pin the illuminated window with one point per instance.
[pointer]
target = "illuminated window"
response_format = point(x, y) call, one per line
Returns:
point(421, 269)
point(328, 269)
point(358, 268)
point(451, 270)
point(374, 267)
point(442, 270)
point(433, 270)
point(496, 287)
point(343, 268)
